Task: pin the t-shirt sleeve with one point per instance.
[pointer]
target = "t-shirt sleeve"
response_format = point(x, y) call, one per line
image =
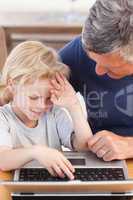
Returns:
point(64, 123)
point(69, 56)
point(82, 103)
point(64, 127)
point(5, 136)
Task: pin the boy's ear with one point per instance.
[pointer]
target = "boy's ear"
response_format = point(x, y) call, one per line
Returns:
point(11, 86)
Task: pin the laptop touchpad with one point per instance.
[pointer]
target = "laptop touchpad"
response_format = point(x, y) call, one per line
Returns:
point(77, 161)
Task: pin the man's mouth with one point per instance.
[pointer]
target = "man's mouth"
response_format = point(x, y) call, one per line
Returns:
point(114, 76)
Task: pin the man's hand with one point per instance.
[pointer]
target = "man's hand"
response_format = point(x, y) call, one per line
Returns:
point(110, 146)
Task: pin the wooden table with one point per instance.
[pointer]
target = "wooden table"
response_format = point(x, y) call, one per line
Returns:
point(5, 195)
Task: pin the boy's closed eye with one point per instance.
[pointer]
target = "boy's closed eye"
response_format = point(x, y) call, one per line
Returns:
point(47, 101)
point(33, 97)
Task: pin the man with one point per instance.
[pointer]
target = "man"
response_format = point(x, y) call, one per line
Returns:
point(101, 63)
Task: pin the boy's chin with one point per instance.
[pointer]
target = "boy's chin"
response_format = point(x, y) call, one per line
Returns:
point(34, 117)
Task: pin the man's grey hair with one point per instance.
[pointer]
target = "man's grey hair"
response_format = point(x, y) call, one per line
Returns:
point(109, 28)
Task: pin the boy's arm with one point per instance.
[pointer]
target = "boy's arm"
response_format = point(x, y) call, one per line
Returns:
point(15, 158)
point(64, 95)
point(82, 131)
point(53, 160)
point(11, 158)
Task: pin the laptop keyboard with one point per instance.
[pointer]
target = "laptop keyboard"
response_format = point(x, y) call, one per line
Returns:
point(82, 174)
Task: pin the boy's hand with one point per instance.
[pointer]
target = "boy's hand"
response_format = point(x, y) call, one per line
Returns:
point(63, 93)
point(54, 161)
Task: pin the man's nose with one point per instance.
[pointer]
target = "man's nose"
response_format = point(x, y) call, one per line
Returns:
point(100, 70)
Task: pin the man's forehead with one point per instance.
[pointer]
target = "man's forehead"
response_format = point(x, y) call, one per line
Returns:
point(114, 58)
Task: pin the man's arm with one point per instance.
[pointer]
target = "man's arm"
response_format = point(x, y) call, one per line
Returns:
point(69, 55)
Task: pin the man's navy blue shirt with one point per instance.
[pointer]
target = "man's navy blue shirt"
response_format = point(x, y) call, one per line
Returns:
point(109, 101)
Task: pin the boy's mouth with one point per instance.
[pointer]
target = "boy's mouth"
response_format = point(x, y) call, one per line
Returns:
point(36, 112)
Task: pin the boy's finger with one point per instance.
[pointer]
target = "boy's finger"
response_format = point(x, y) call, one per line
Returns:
point(63, 78)
point(59, 79)
point(66, 171)
point(57, 94)
point(55, 84)
point(51, 171)
point(69, 165)
point(58, 170)
point(54, 98)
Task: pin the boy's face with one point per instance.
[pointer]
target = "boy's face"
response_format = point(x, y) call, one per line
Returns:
point(33, 100)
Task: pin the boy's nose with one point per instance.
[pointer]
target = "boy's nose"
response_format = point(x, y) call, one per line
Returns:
point(100, 70)
point(41, 105)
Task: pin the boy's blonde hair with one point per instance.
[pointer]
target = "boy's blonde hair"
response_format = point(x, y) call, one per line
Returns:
point(29, 61)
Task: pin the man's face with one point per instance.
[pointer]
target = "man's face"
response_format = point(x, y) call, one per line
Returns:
point(111, 64)
point(33, 100)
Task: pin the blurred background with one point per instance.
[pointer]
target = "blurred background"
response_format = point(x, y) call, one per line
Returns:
point(54, 22)
point(25, 11)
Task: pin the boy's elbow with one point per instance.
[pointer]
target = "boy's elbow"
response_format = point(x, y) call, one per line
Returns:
point(4, 168)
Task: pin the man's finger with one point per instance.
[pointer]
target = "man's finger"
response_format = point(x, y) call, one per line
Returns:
point(101, 152)
point(109, 156)
point(93, 140)
point(97, 146)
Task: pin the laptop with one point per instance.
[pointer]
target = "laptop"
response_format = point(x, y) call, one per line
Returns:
point(88, 167)
point(92, 175)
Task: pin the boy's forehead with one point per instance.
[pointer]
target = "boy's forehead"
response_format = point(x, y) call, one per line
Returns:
point(42, 87)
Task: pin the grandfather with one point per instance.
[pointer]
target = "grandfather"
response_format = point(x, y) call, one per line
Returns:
point(101, 63)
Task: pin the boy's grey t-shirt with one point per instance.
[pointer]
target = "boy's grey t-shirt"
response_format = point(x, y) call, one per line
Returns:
point(54, 129)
